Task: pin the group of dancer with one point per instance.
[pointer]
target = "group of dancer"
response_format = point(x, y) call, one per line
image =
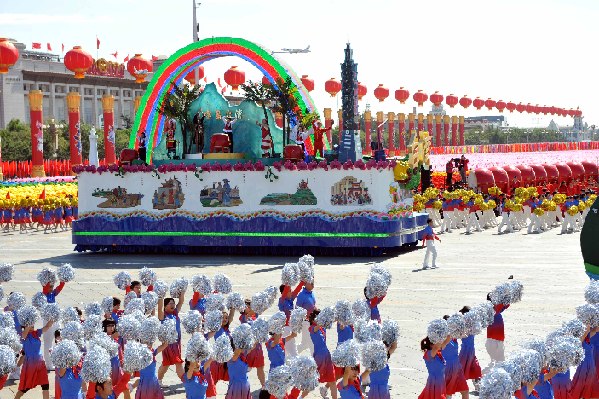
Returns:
point(112, 348)
point(28, 215)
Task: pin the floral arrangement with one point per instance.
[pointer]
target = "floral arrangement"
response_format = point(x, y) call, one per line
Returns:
point(38, 194)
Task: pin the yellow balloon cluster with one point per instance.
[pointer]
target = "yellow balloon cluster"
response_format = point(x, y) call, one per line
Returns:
point(573, 210)
point(437, 204)
point(539, 211)
point(62, 194)
point(431, 193)
point(494, 190)
point(559, 198)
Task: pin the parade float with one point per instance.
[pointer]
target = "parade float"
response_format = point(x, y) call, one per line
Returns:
point(219, 197)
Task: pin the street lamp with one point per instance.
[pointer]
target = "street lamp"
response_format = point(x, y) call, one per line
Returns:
point(53, 128)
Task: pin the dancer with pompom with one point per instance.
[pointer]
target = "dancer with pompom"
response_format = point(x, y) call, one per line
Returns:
point(255, 357)
point(322, 356)
point(47, 277)
point(467, 355)
point(194, 379)
point(435, 365)
point(379, 380)
point(350, 385)
point(454, 374)
point(148, 385)
point(110, 328)
point(307, 300)
point(171, 355)
point(585, 383)
point(33, 371)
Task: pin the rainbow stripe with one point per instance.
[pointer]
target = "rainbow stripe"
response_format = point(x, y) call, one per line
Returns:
point(174, 69)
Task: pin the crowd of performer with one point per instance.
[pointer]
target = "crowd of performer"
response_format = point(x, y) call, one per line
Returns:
point(27, 215)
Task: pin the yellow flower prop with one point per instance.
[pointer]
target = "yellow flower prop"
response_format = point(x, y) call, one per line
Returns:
point(491, 204)
point(418, 206)
point(494, 190)
point(56, 195)
point(573, 210)
point(437, 204)
point(539, 211)
point(559, 198)
point(581, 206)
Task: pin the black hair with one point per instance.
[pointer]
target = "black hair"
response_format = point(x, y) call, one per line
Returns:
point(446, 317)
point(166, 301)
point(428, 220)
point(115, 301)
point(465, 310)
point(264, 394)
point(56, 334)
point(365, 295)
point(187, 364)
point(108, 322)
point(99, 384)
point(79, 312)
point(282, 288)
point(134, 284)
point(489, 296)
point(313, 315)
point(426, 344)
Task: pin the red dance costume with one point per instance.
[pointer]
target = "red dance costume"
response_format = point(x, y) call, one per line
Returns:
point(255, 358)
point(319, 139)
point(33, 372)
point(172, 353)
point(435, 384)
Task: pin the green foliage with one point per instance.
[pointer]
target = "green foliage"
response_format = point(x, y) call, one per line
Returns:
point(492, 135)
point(284, 101)
point(177, 105)
point(259, 93)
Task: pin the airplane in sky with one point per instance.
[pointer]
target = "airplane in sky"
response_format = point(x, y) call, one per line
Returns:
point(292, 51)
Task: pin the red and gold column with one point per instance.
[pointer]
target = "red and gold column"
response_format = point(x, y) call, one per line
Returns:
point(461, 129)
point(391, 131)
point(438, 142)
point(411, 117)
point(446, 130)
point(1, 175)
point(401, 120)
point(454, 130)
point(328, 123)
point(420, 122)
point(73, 104)
point(429, 124)
point(340, 116)
point(109, 133)
point(36, 98)
point(368, 130)
point(379, 127)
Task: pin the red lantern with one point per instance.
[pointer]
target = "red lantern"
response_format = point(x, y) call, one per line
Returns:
point(490, 104)
point(529, 108)
point(9, 55)
point(139, 68)
point(191, 76)
point(362, 90)
point(537, 109)
point(420, 97)
point(520, 107)
point(234, 77)
point(332, 86)
point(308, 83)
point(451, 100)
point(436, 98)
point(465, 101)
point(78, 61)
point(500, 105)
point(381, 92)
point(402, 95)
point(578, 113)
point(510, 106)
point(478, 103)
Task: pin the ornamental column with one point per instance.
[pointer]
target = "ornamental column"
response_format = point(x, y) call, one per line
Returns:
point(438, 142)
point(401, 131)
point(379, 128)
point(328, 123)
point(429, 125)
point(411, 117)
point(1, 175)
point(461, 129)
point(36, 98)
point(73, 105)
point(454, 130)
point(420, 123)
point(368, 130)
point(445, 130)
point(391, 130)
point(109, 134)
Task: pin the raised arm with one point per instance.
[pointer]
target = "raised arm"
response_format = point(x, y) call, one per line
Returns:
point(236, 354)
point(161, 309)
point(180, 302)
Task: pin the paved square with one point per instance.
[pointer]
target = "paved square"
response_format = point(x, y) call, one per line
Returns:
point(549, 265)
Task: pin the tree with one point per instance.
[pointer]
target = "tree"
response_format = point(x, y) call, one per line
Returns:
point(283, 95)
point(259, 93)
point(177, 105)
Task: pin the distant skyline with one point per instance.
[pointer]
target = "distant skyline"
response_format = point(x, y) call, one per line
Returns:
point(537, 51)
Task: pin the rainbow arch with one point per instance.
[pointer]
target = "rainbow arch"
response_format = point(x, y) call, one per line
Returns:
point(190, 57)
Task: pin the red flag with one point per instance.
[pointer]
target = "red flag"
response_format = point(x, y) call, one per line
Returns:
point(154, 58)
point(43, 194)
point(49, 47)
point(63, 47)
point(126, 58)
point(36, 46)
point(8, 195)
point(115, 54)
point(97, 43)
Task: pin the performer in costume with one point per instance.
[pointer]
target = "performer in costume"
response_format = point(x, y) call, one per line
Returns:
point(561, 384)
point(544, 386)
point(307, 300)
point(319, 132)
point(322, 356)
point(350, 385)
point(198, 302)
point(435, 365)
point(198, 137)
point(70, 383)
point(149, 387)
point(467, 356)
point(51, 293)
point(379, 380)
point(104, 390)
point(171, 143)
point(275, 347)
point(286, 305)
point(255, 357)
point(217, 370)
point(109, 327)
point(267, 143)
point(495, 337)
point(16, 373)
point(344, 333)
point(33, 371)
point(171, 355)
point(228, 129)
point(428, 239)
point(141, 146)
point(454, 375)
point(239, 385)
point(374, 306)
point(194, 379)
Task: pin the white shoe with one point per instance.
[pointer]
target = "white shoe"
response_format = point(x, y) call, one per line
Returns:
point(424, 267)
point(324, 392)
point(435, 267)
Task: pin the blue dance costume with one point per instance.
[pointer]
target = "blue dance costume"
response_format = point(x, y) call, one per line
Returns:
point(435, 383)
point(322, 356)
point(148, 387)
point(468, 359)
point(584, 382)
point(379, 384)
point(239, 385)
point(454, 375)
point(70, 384)
point(196, 386)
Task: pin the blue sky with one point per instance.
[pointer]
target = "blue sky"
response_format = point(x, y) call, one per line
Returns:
point(528, 50)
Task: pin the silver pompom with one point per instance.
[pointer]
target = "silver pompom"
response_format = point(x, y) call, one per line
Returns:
point(272, 293)
point(591, 293)
point(326, 317)
point(307, 259)
point(374, 355)
point(588, 314)
point(485, 312)
point(243, 338)
point(383, 271)
point(539, 346)
point(135, 305)
point(129, 297)
point(160, 288)
point(9, 338)
point(367, 331)
point(148, 331)
point(167, 333)
point(1, 293)
point(213, 320)
point(306, 271)
point(361, 309)
point(437, 331)
point(178, 287)
point(215, 302)
point(304, 372)
point(16, 300)
point(565, 352)
point(65, 273)
point(198, 348)
point(69, 314)
point(296, 319)
point(47, 276)
point(92, 326)
point(516, 289)
point(202, 284)
point(279, 381)
point(136, 356)
point(260, 302)
point(93, 308)
point(7, 271)
point(236, 301)
point(515, 370)
point(147, 276)
point(276, 322)
point(191, 321)
point(150, 300)
point(222, 284)
point(290, 274)
point(72, 330)
point(7, 360)
point(496, 384)
point(105, 341)
point(376, 286)
point(27, 316)
point(7, 320)
point(65, 354)
point(531, 365)
point(553, 337)
point(457, 326)
point(38, 300)
point(346, 354)
point(343, 312)
point(96, 365)
point(502, 294)
point(129, 327)
point(574, 327)
point(107, 304)
point(222, 352)
point(260, 330)
point(122, 280)
point(50, 311)
point(472, 322)
point(390, 331)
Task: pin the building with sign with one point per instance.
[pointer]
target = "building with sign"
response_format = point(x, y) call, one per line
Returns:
point(36, 70)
